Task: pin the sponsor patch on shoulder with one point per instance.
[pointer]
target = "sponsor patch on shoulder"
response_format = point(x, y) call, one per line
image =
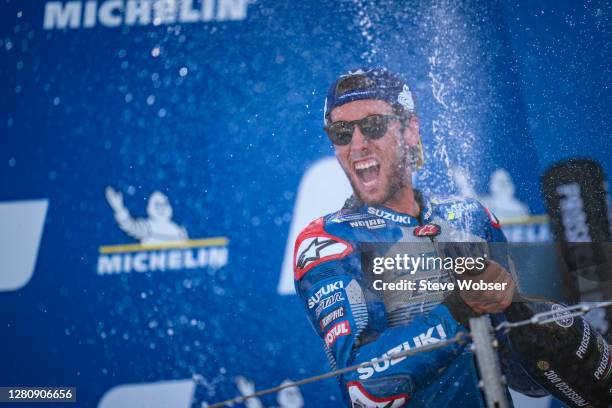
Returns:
point(315, 246)
point(427, 230)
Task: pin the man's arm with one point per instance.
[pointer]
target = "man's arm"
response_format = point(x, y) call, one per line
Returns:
point(351, 321)
point(568, 358)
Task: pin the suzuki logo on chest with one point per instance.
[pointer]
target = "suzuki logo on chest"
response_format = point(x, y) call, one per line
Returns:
point(385, 215)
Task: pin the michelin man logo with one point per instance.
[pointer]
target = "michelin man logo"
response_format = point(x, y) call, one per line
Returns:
point(156, 229)
point(517, 223)
point(164, 245)
point(502, 199)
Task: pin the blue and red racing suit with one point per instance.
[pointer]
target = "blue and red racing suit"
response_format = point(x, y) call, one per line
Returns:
point(358, 322)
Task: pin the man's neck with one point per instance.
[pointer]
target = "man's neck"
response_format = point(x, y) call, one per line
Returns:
point(404, 201)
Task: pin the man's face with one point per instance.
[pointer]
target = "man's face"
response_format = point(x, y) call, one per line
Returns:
point(377, 169)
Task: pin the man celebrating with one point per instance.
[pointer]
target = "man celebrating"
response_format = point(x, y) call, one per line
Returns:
point(370, 117)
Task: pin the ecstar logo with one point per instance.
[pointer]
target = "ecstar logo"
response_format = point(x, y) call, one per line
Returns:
point(325, 290)
point(328, 302)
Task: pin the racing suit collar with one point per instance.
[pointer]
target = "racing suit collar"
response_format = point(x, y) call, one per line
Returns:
point(425, 206)
point(353, 203)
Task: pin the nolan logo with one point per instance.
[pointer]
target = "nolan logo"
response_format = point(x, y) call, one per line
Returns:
point(371, 224)
point(338, 330)
point(429, 230)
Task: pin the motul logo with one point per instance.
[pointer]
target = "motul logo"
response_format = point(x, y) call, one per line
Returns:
point(338, 330)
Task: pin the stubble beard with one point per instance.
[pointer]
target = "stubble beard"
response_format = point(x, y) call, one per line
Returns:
point(399, 178)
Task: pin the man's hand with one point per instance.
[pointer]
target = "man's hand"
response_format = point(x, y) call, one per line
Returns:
point(489, 301)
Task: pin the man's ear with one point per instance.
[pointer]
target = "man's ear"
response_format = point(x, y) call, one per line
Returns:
point(411, 131)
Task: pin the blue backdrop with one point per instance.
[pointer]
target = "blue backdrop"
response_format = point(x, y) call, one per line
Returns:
point(218, 105)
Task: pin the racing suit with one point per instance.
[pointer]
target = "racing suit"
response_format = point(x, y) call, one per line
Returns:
point(358, 322)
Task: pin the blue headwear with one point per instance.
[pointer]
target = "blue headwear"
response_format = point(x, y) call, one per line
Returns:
point(374, 83)
point(369, 83)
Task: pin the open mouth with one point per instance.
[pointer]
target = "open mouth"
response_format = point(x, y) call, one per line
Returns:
point(367, 171)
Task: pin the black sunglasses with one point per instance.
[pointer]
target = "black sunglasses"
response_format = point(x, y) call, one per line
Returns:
point(372, 127)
